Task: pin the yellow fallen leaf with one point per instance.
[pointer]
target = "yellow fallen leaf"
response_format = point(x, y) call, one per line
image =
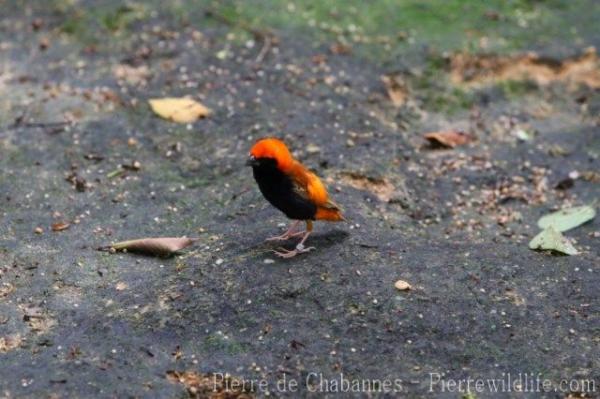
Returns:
point(180, 110)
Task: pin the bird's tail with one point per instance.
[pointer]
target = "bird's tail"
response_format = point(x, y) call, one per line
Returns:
point(331, 213)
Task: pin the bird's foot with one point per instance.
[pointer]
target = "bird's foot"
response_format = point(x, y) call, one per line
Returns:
point(285, 253)
point(285, 236)
point(282, 237)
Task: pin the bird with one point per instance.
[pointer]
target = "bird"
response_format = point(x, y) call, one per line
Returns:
point(293, 189)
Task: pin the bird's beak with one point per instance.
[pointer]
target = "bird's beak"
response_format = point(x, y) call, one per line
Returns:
point(252, 161)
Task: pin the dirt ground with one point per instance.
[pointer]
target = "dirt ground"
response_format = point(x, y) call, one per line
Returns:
point(81, 151)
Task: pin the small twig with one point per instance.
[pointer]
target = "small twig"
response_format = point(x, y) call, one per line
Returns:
point(261, 35)
point(240, 193)
point(43, 124)
point(51, 127)
point(365, 245)
point(264, 50)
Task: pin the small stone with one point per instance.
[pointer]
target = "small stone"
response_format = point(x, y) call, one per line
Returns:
point(313, 149)
point(574, 175)
point(120, 286)
point(44, 43)
point(38, 230)
point(522, 135)
point(269, 261)
point(402, 285)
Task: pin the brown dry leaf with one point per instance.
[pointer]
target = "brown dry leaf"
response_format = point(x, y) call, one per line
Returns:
point(60, 226)
point(402, 285)
point(383, 189)
point(131, 75)
point(210, 385)
point(396, 89)
point(473, 69)
point(591, 176)
point(38, 319)
point(514, 297)
point(6, 289)
point(10, 342)
point(449, 138)
point(339, 48)
point(161, 246)
point(180, 110)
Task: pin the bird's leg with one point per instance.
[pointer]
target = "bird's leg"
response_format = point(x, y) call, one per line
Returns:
point(284, 253)
point(287, 234)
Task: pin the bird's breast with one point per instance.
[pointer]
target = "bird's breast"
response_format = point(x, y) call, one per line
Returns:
point(278, 189)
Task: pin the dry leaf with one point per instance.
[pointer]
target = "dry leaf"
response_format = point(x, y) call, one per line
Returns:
point(396, 89)
point(449, 138)
point(6, 289)
point(10, 342)
point(477, 69)
point(551, 239)
point(180, 110)
point(383, 189)
point(131, 75)
point(567, 219)
point(162, 246)
point(402, 285)
point(339, 48)
point(591, 176)
point(210, 386)
point(60, 226)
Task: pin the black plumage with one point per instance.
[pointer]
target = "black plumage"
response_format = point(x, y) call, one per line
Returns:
point(280, 190)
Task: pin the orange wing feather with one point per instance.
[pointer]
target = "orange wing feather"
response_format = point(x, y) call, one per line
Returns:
point(310, 186)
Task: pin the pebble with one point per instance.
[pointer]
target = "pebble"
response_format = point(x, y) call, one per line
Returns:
point(402, 285)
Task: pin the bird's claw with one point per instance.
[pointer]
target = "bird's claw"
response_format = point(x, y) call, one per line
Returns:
point(285, 253)
point(284, 237)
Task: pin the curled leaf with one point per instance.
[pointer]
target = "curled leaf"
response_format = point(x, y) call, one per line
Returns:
point(60, 226)
point(180, 110)
point(162, 246)
point(201, 385)
point(449, 138)
point(552, 240)
point(567, 219)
